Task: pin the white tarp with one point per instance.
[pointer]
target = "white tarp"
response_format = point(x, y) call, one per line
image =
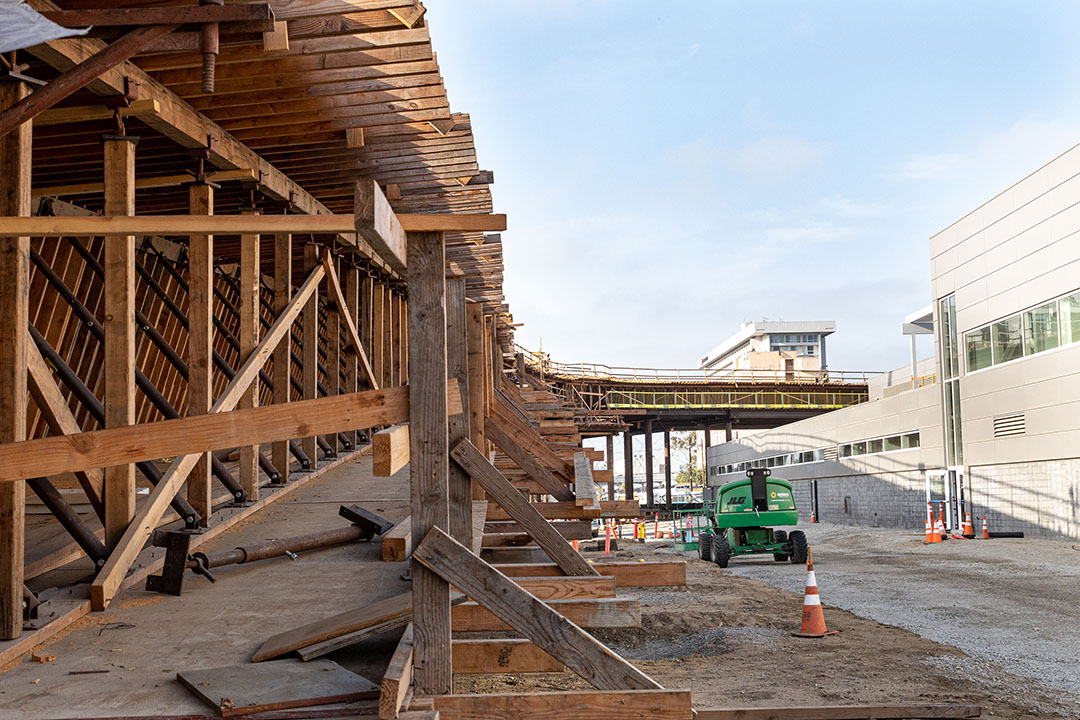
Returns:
point(21, 27)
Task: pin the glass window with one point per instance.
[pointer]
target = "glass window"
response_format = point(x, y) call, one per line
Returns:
point(874, 446)
point(947, 320)
point(911, 440)
point(845, 450)
point(819, 455)
point(858, 448)
point(978, 349)
point(1070, 318)
point(1041, 329)
point(1008, 343)
point(892, 442)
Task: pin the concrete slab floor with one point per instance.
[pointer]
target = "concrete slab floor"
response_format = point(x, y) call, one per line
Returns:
point(145, 638)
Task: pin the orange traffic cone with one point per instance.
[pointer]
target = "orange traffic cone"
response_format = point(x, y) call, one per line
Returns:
point(813, 620)
point(573, 544)
point(969, 531)
point(939, 531)
point(813, 515)
point(929, 533)
point(941, 523)
point(986, 530)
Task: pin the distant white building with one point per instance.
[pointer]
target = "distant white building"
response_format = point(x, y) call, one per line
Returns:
point(772, 346)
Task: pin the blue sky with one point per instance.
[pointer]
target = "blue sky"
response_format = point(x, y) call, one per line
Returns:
point(670, 171)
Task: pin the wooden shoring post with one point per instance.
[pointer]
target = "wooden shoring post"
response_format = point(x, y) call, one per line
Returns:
point(477, 402)
point(403, 313)
point(310, 351)
point(378, 342)
point(610, 463)
point(457, 366)
point(489, 377)
point(667, 468)
point(333, 345)
point(628, 464)
point(389, 323)
point(650, 494)
point(15, 150)
point(429, 456)
point(367, 319)
point(200, 345)
point(119, 367)
point(279, 451)
point(393, 338)
point(250, 307)
point(352, 360)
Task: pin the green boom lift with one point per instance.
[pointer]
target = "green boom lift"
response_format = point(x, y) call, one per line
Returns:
point(744, 512)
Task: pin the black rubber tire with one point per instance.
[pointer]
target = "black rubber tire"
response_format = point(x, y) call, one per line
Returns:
point(780, 536)
point(703, 547)
point(798, 547)
point(720, 550)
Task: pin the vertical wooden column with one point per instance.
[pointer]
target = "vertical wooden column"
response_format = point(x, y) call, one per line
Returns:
point(403, 313)
point(667, 466)
point(628, 465)
point(457, 366)
point(310, 353)
point(279, 451)
point(352, 309)
point(250, 274)
point(650, 497)
point(14, 316)
point(378, 344)
point(367, 325)
point(429, 457)
point(119, 369)
point(474, 321)
point(389, 377)
point(200, 344)
point(489, 372)
point(333, 355)
point(395, 339)
point(610, 458)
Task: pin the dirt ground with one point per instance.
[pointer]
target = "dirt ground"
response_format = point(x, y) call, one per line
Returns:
point(728, 639)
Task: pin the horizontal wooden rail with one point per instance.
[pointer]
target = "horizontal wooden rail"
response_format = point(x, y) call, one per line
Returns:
point(234, 224)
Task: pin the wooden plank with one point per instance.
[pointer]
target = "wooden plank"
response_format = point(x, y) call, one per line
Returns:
point(217, 430)
point(459, 484)
point(88, 113)
point(119, 325)
point(238, 690)
point(352, 365)
point(568, 588)
point(319, 649)
point(398, 676)
point(250, 307)
point(842, 712)
point(571, 529)
point(309, 352)
point(15, 149)
point(626, 573)
point(353, 335)
point(200, 342)
point(390, 450)
point(499, 489)
point(479, 512)
point(584, 612)
point(531, 617)
point(474, 312)
point(568, 705)
point(529, 438)
point(332, 329)
point(93, 226)
point(146, 183)
point(429, 459)
point(584, 487)
point(570, 511)
point(397, 544)
point(380, 316)
point(376, 222)
point(282, 371)
point(510, 655)
point(553, 485)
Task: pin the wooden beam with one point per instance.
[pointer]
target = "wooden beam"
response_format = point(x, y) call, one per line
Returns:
point(397, 544)
point(337, 298)
point(529, 438)
point(352, 364)
point(570, 510)
point(309, 352)
point(477, 393)
point(282, 357)
point(15, 149)
point(379, 318)
point(390, 450)
point(459, 484)
point(584, 487)
point(90, 113)
point(332, 325)
point(568, 588)
point(584, 612)
point(119, 325)
point(398, 676)
point(626, 574)
point(167, 225)
point(200, 342)
point(429, 459)
point(161, 181)
point(567, 705)
point(531, 617)
point(250, 270)
point(841, 712)
point(108, 581)
point(551, 484)
point(510, 655)
point(377, 223)
point(499, 489)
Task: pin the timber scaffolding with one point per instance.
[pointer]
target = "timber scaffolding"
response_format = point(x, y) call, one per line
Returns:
point(241, 245)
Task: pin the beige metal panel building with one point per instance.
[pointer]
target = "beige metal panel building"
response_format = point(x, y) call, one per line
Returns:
point(999, 426)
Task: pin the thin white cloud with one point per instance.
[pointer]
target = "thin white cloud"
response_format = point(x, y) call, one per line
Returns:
point(925, 166)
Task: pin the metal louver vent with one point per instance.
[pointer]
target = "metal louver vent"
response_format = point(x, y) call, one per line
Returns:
point(1009, 425)
point(830, 453)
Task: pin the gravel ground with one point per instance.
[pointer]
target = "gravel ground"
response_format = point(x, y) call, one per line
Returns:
point(1012, 603)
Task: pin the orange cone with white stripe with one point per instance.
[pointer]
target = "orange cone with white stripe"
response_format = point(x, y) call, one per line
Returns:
point(813, 619)
point(929, 533)
point(986, 530)
point(939, 530)
point(968, 530)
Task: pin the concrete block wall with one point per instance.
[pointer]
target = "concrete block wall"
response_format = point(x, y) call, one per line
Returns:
point(1040, 499)
point(893, 500)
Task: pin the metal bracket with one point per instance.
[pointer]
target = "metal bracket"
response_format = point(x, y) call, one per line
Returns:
point(176, 544)
point(369, 522)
